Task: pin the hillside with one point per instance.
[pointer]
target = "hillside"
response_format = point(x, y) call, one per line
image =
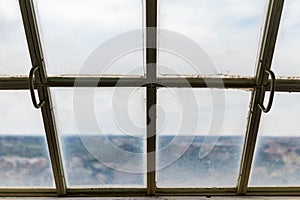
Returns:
point(24, 162)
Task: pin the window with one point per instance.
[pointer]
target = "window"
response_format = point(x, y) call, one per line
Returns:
point(288, 41)
point(71, 31)
point(191, 151)
point(24, 157)
point(14, 57)
point(228, 31)
point(110, 152)
point(148, 97)
point(276, 161)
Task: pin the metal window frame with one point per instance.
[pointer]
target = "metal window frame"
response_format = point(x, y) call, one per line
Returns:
point(37, 60)
point(151, 92)
point(260, 85)
point(264, 63)
point(282, 85)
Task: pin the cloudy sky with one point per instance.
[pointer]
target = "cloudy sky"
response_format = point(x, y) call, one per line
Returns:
point(229, 31)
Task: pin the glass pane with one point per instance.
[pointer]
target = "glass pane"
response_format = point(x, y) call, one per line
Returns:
point(286, 62)
point(103, 136)
point(200, 137)
point(14, 55)
point(221, 37)
point(24, 158)
point(80, 35)
point(277, 155)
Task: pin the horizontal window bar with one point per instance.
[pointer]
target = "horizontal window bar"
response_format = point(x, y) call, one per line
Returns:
point(107, 192)
point(195, 191)
point(283, 85)
point(27, 192)
point(252, 191)
point(273, 191)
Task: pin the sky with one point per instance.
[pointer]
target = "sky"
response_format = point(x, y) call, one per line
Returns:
point(228, 31)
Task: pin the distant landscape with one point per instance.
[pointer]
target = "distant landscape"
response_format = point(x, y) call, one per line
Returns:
point(24, 162)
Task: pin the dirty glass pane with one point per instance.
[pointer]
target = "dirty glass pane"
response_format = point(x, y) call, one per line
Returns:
point(80, 34)
point(24, 158)
point(103, 136)
point(219, 38)
point(14, 55)
point(277, 154)
point(286, 62)
point(200, 137)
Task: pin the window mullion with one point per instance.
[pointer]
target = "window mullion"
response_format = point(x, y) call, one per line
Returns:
point(36, 55)
point(264, 62)
point(151, 41)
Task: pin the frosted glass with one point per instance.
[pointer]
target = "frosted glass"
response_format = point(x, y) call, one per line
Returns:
point(285, 60)
point(105, 147)
point(228, 31)
point(277, 155)
point(24, 157)
point(206, 155)
point(14, 54)
point(72, 30)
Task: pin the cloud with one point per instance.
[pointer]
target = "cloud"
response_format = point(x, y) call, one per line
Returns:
point(115, 111)
point(205, 109)
point(286, 57)
point(14, 55)
point(71, 30)
point(283, 119)
point(18, 114)
point(228, 31)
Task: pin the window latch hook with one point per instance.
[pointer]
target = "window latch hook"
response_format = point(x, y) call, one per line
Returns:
point(272, 91)
point(31, 88)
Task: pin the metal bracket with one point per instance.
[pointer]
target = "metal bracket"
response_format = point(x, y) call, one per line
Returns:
point(272, 91)
point(152, 85)
point(31, 88)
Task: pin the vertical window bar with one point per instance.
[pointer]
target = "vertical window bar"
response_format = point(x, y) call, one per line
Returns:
point(151, 140)
point(264, 63)
point(151, 41)
point(36, 55)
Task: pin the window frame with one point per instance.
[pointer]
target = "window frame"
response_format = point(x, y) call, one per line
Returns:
point(260, 85)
